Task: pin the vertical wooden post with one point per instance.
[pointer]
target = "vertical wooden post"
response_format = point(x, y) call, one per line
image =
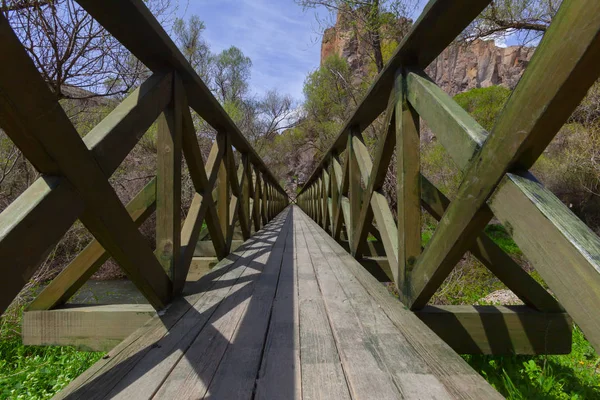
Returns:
point(223, 189)
point(246, 190)
point(325, 190)
point(334, 196)
point(355, 190)
point(168, 179)
point(257, 199)
point(408, 184)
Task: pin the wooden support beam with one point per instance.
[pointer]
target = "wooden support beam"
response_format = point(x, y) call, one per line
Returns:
point(557, 243)
point(88, 328)
point(408, 186)
point(499, 330)
point(50, 206)
point(168, 178)
point(91, 258)
point(53, 134)
point(523, 130)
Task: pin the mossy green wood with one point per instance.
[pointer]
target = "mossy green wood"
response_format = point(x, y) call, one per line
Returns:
point(53, 134)
point(92, 257)
point(374, 182)
point(168, 178)
point(545, 97)
point(407, 185)
point(493, 257)
point(50, 206)
point(561, 247)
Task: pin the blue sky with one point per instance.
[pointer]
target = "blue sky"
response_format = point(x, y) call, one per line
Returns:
point(282, 40)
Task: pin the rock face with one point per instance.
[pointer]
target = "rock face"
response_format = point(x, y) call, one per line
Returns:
point(459, 68)
point(479, 64)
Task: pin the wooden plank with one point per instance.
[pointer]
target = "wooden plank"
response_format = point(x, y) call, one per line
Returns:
point(365, 373)
point(565, 254)
point(440, 22)
point(205, 248)
point(236, 375)
point(459, 379)
point(168, 178)
point(46, 210)
point(91, 258)
point(161, 342)
point(499, 330)
point(279, 375)
point(355, 185)
point(408, 186)
point(523, 130)
point(52, 133)
point(493, 257)
point(404, 368)
point(88, 328)
point(321, 370)
point(194, 372)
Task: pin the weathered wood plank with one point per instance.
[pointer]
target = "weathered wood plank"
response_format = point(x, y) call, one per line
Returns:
point(499, 330)
point(89, 328)
point(279, 375)
point(565, 255)
point(322, 373)
point(408, 186)
point(168, 182)
point(366, 374)
point(236, 375)
point(459, 379)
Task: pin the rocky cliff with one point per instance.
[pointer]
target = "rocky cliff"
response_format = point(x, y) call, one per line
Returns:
point(460, 67)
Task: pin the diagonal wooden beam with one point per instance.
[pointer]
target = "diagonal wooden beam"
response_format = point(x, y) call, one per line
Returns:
point(53, 134)
point(523, 130)
point(203, 207)
point(493, 257)
point(374, 202)
point(92, 257)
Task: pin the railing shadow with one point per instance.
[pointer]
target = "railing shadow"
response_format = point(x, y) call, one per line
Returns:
point(221, 366)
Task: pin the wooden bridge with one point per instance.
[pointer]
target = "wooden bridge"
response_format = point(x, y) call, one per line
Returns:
point(294, 307)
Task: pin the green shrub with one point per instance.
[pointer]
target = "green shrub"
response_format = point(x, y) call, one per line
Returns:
point(484, 104)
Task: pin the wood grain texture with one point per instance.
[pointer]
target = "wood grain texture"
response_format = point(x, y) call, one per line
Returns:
point(499, 330)
point(89, 328)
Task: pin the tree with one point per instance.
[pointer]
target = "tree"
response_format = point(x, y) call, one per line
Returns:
point(72, 50)
point(188, 37)
point(370, 19)
point(502, 17)
point(231, 74)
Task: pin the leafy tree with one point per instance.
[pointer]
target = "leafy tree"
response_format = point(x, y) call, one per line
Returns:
point(231, 75)
point(188, 37)
point(484, 104)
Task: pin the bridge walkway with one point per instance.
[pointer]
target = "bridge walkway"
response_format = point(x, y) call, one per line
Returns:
point(288, 315)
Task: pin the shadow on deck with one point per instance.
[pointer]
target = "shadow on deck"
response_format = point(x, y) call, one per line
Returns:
point(288, 315)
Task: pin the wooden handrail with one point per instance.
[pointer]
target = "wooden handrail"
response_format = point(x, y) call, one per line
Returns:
point(496, 181)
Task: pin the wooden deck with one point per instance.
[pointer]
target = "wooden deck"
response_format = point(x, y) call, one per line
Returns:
point(288, 315)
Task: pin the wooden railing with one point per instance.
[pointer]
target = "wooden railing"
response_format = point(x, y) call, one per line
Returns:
point(346, 197)
point(74, 182)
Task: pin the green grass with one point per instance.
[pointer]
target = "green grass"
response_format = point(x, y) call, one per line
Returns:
point(572, 376)
point(36, 372)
